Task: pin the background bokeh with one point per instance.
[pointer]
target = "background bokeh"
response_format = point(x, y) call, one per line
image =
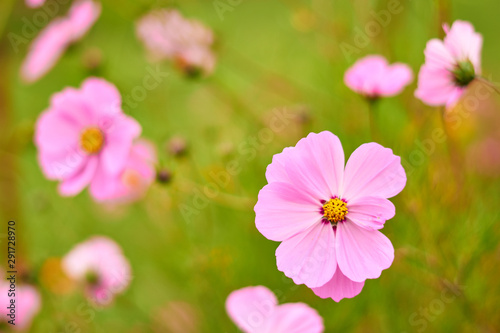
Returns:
point(271, 55)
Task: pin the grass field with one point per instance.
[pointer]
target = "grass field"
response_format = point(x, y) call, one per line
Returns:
point(282, 59)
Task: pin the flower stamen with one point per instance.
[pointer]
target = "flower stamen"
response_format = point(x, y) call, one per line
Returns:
point(335, 210)
point(92, 140)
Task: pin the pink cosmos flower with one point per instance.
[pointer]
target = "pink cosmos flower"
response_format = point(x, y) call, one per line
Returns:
point(51, 43)
point(35, 3)
point(326, 217)
point(28, 304)
point(85, 138)
point(373, 77)
point(166, 34)
point(139, 173)
point(100, 265)
point(450, 65)
point(256, 310)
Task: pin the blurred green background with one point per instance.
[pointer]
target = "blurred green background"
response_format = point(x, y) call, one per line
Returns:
point(271, 55)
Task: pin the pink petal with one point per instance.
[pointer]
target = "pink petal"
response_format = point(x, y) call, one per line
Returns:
point(435, 85)
point(104, 97)
point(437, 56)
point(316, 165)
point(141, 166)
point(103, 185)
point(339, 287)
point(250, 308)
point(309, 257)
point(373, 170)
point(35, 3)
point(454, 97)
point(395, 78)
point(362, 254)
point(295, 318)
point(464, 43)
point(56, 133)
point(28, 304)
point(77, 182)
point(62, 165)
point(370, 212)
point(364, 76)
point(74, 107)
point(276, 171)
point(45, 50)
point(119, 131)
point(282, 211)
point(82, 16)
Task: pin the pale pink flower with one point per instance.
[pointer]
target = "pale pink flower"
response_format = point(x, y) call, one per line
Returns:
point(101, 266)
point(139, 173)
point(35, 3)
point(27, 304)
point(84, 138)
point(450, 65)
point(327, 217)
point(166, 34)
point(373, 77)
point(54, 39)
point(256, 310)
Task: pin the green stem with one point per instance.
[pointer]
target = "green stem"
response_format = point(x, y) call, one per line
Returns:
point(488, 83)
point(372, 114)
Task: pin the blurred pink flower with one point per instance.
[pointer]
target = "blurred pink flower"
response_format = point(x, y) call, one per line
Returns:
point(51, 43)
point(28, 304)
point(166, 34)
point(99, 263)
point(450, 65)
point(373, 77)
point(85, 138)
point(35, 3)
point(139, 173)
point(327, 218)
point(256, 310)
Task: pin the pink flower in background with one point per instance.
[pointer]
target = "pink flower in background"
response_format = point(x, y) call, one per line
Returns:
point(327, 217)
point(256, 310)
point(35, 3)
point(52, 42)
point(450, 65)
point(139, 173)
point(28, 304)
point(99, 263)
point(84, 138)
point(166, 34)
point(373, 77)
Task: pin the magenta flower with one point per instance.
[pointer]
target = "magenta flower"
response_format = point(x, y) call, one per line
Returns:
point(450, 65)
point(256, 310)
point(327, 218)
point(28, 304)
point(373, 77)
point(139, 173)
point(35, 3)
point(166, 34)
point(55, 38)
point(84, 138)
point(99, 264)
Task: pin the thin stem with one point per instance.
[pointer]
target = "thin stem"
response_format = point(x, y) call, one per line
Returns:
point(488, 83)
point(372, 114)
point(455, 156)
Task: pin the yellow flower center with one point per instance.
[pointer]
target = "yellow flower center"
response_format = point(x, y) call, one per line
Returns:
point(335, 210)
point(92, 140)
